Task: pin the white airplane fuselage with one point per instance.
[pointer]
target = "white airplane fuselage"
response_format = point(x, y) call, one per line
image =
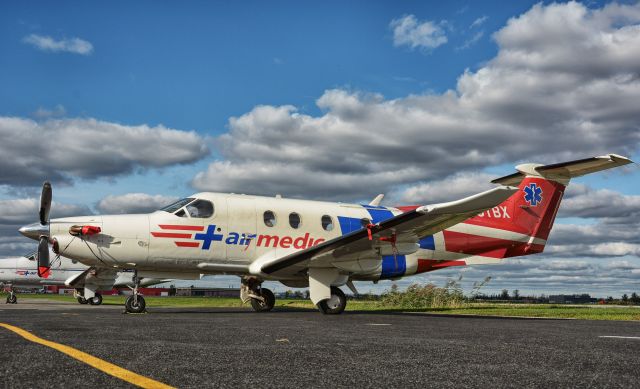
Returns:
point(23, 272)
point(236, 240)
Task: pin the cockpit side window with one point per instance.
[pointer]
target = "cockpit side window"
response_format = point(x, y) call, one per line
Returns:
point(177, 205)
point(200, 209)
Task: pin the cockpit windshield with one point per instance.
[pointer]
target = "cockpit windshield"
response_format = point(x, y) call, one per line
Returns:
point(177, 205)
point(32, 256)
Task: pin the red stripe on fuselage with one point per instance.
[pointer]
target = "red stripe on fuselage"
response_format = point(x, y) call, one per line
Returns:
point(407, 208)
point(179, 227)
point(458, 242)
point(171, 235)
point(187, 244)
point(425, 265)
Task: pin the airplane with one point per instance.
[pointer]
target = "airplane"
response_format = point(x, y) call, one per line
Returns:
point(314, 244)
point(23, 272)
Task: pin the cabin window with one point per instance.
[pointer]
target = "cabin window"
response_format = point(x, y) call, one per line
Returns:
point(200, 209)
point(269, 219)
point(294, 220)
point(327, 223)
point(181, 213)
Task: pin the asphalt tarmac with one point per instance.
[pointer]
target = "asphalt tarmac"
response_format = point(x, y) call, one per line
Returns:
point(189, 348)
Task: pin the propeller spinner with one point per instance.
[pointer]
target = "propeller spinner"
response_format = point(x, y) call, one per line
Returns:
point(36, 230)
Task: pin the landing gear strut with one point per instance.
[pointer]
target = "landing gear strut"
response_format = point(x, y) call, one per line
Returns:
point(79, 295)
point(262, 299)
point(335, 304)
point(135, 303)
point(11, 297)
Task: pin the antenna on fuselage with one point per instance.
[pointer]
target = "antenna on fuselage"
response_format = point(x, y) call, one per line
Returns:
point(376, 202)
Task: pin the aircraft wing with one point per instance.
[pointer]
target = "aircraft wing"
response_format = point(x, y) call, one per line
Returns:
point(103, 278)
point(406, 229)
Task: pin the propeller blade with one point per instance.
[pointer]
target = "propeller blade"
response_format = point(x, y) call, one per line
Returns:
point(45, 202)
point(44, 266)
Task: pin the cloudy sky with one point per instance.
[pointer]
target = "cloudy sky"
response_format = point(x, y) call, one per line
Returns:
point(129, 106)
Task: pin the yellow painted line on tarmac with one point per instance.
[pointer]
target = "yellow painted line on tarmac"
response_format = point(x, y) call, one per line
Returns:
point(104, 366)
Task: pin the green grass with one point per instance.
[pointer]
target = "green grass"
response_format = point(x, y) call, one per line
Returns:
point(586, 312)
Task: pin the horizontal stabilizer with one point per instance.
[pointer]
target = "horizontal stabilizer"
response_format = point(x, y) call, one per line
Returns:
point(564, 171)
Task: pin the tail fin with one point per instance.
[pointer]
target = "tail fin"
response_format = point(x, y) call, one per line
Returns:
point(521, 224)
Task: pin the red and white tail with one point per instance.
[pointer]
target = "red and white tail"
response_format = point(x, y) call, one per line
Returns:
point(521, 224)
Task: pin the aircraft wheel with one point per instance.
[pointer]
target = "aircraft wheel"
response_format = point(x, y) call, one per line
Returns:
point(82, 300)
point(132, 307)
point(96, 300)
point(267, 305)
point(12, 299)
point(335, 304)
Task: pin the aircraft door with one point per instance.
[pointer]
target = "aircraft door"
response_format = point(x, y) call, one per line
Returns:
point(241, 232)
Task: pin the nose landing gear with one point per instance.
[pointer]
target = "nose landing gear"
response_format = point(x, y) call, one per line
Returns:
point(11, 297)
point(135, 303)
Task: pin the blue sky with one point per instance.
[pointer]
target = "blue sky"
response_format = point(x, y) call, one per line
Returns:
point(192, 67)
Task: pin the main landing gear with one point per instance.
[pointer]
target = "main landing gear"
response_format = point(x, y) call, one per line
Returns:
point(335, 304)
point(11, 297)
point(262, 299)
point(135, 303)
point(95, 300)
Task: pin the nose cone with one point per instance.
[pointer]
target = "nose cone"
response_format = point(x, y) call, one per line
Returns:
point(34, 231)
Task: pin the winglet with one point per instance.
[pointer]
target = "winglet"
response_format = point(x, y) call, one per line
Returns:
point(376, 202)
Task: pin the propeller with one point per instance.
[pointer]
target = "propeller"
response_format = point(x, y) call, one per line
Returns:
point(44, 264)
point(45, 202)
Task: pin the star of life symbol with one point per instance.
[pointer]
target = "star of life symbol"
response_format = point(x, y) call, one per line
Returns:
point(533, 194)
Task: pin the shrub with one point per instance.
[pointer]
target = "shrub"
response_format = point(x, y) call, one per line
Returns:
point(425, 296)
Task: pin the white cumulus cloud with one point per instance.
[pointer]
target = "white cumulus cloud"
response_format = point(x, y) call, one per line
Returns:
point(564, 85)
point(71, 45)
point(133, 203)
point(409, 31)
point(63, 149)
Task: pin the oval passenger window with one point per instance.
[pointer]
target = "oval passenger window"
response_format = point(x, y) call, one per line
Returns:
point(294, 220)
point(269, 219)
point(327, 223)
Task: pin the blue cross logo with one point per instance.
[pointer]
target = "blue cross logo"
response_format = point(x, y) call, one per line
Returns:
point(533, 194)
point(208, 237)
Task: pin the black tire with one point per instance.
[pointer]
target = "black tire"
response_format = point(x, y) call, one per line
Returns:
point(336, 304)
point(12, 299)
point(96, 300)
point(269, 301)
point(132, 307)
point(82, 300)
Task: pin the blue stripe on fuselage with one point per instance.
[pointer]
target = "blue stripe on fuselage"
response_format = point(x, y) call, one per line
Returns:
point(393, 266)
point(378, 214)
point(428, 243)
point(349, 224)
